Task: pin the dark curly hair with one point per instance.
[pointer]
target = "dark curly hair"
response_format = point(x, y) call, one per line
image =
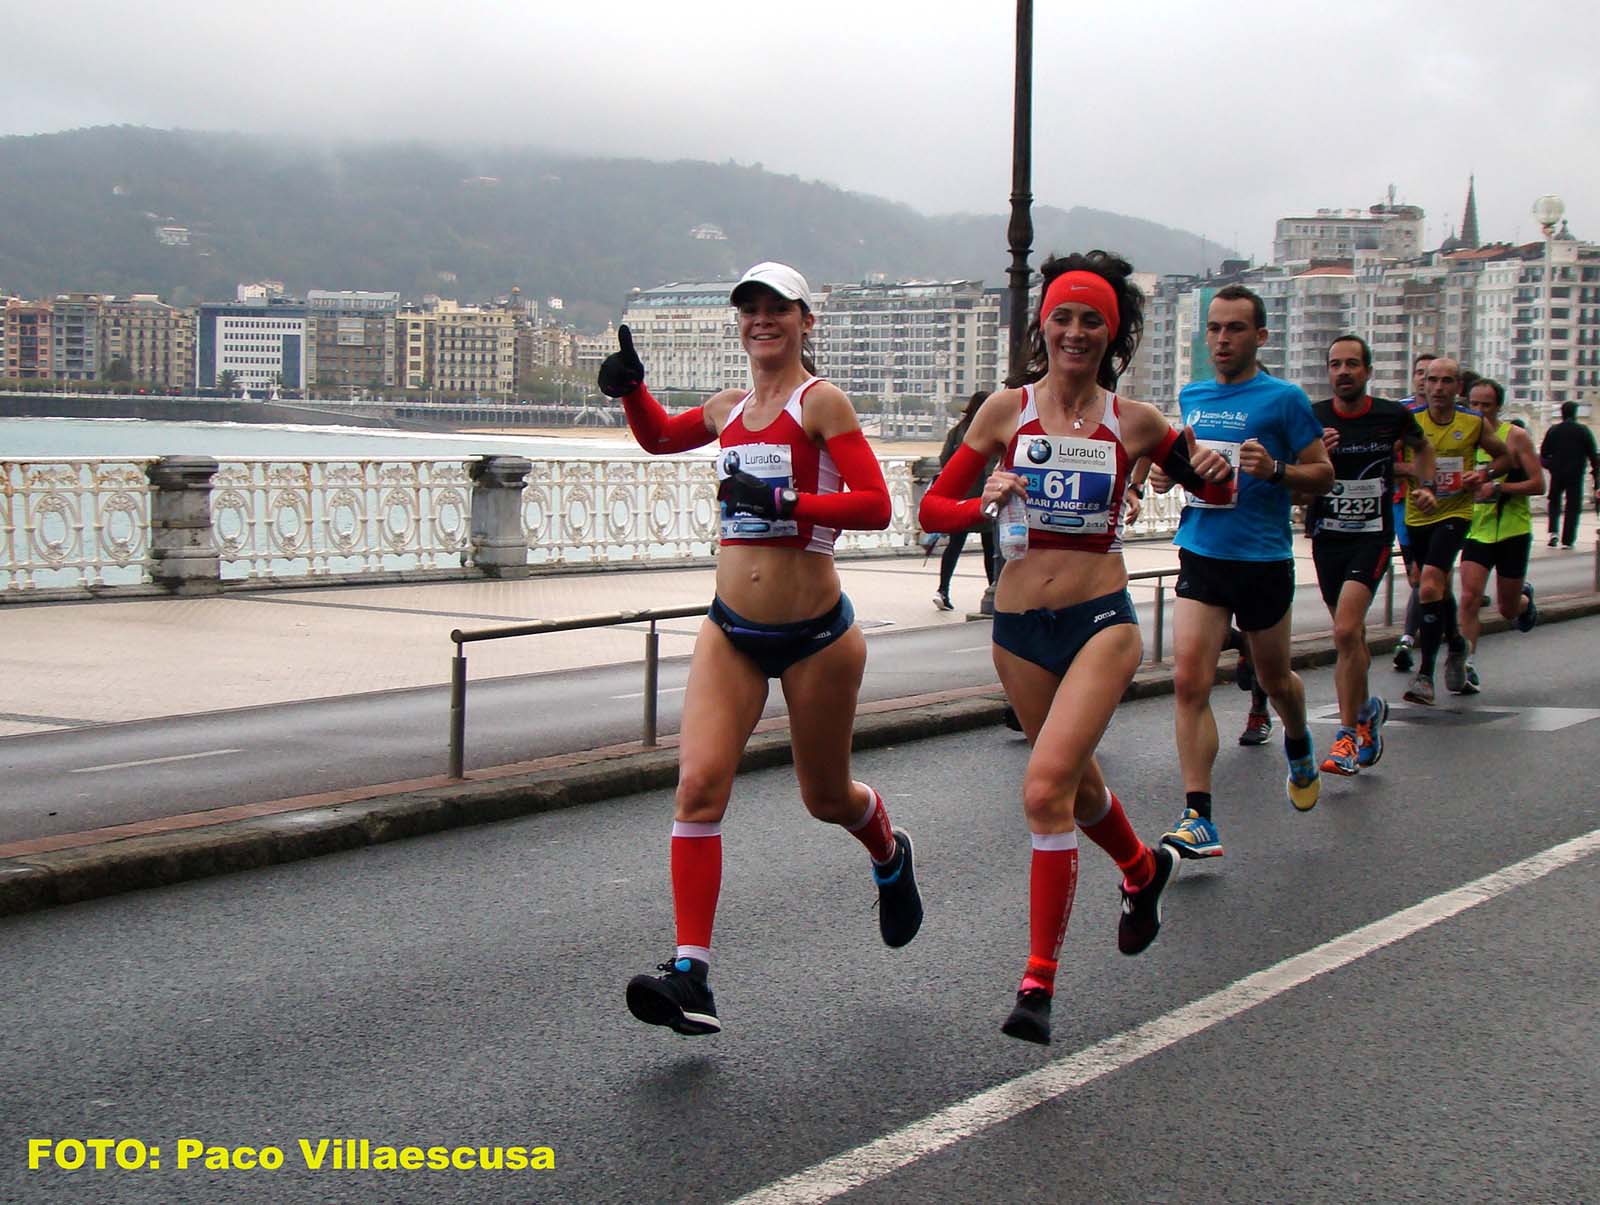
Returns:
point(1116, 272)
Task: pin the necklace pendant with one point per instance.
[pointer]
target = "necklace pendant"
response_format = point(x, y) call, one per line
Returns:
point(1077, 424)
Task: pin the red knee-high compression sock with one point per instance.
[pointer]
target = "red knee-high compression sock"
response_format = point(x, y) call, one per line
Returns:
point(1052, 882)
point(1112, 833)
point(696, 883)
point(873, 829)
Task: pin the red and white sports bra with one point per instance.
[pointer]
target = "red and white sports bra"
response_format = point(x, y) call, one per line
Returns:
point(783, 455)
point(1075, 482)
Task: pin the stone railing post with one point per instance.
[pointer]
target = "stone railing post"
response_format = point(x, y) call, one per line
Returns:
point(498, 546)
point(923, 472)
point(183, 554)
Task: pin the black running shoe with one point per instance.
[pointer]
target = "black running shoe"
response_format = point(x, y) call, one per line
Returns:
point(1244, 674)
point(899, 901)
point(680, 999)
point(1529, 617)
point(1030, 1019)
point(1141, 909)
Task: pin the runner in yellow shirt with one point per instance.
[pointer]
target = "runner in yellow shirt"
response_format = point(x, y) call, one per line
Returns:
point(1501, 535)
point(1438, 514)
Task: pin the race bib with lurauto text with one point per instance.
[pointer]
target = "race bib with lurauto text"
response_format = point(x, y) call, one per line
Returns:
point(774, 464)
point(1219, 495)
point(1069, 483)
point(1354, 506)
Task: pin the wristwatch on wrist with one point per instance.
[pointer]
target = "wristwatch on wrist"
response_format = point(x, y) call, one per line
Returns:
point(1279, 468)
point(1136, 489)
point(786, 502)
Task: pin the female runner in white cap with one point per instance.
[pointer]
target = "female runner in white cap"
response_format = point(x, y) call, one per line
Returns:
point(789, 448)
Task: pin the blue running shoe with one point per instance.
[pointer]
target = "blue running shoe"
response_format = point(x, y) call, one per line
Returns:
point(1528, 618)
point(1369, 731)
point(1194, 836)
point(1344, 759)
point(899, 901)
point(1304, 783)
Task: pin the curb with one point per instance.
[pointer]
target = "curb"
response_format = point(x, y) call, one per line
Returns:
point(69, 876)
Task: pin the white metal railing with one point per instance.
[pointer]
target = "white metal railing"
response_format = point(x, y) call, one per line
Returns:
point(85, 523)
point(651, 510)
point(312, 518)
point(73, 522)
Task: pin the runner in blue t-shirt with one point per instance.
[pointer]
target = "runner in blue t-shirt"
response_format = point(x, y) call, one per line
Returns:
point(1236, 555)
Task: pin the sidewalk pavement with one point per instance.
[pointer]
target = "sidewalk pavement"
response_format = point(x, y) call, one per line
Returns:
point(68, 665)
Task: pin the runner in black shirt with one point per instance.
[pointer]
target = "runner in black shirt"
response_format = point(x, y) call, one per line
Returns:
point(1352, 531)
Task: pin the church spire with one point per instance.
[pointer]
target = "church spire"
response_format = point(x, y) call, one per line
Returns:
point(1469, 220)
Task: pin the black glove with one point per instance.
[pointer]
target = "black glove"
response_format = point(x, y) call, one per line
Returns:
point(745, 494)
point(622, 371)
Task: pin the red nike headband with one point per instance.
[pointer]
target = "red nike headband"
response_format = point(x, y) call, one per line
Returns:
point(1091, 289)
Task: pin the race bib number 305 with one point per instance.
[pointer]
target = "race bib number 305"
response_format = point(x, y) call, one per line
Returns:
point(1069, 483)
point(1354, 506)
point(1447, 475)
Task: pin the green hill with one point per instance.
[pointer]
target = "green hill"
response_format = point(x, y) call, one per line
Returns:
point(85, 210)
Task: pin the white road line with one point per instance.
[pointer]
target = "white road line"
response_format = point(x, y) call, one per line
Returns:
point(665, 690)
point(976, 648)
point(152, 761)
point(888, 1154)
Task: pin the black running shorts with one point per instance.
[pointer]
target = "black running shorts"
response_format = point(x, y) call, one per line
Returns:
point(1507, 557)
point(1341, 559)
point(1438, 544)
point(1257, 593)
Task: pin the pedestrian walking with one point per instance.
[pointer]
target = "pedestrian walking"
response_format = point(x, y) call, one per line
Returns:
point(957, 539)
point(794, 469)
point(1566, 450)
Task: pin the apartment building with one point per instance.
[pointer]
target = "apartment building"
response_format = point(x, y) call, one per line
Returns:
point(152, 340)
point(474, 350)
point(928, 342)
point(75, 337)
point(350, 340)
point(687, 333)
point(1397, 231)
point(29, 340)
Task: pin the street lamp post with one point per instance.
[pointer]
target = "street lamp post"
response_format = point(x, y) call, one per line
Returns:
point(1547, 211)
point(1019, 232)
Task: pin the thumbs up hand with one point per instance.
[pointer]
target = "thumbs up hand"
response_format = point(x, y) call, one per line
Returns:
point(622, 371)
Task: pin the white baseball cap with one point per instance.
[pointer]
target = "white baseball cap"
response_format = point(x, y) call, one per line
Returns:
point(780, 278)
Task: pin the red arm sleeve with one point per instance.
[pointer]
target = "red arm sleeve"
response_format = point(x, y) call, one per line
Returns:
point(865, 507)
point(659, 432)
point(946, 507)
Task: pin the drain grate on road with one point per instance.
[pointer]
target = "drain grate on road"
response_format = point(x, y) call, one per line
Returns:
point(1523, 719)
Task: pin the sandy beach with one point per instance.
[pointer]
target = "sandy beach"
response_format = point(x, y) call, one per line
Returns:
point(883, 447)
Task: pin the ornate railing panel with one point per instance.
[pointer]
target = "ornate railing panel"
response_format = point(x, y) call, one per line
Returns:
point(313, 518)
point(85, 523)
point(577, 512)
point(73, 523)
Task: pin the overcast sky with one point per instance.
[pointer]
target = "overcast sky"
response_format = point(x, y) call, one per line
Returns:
point(1218, 118)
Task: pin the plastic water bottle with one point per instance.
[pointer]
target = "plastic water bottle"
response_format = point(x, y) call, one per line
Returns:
point(1011, 522)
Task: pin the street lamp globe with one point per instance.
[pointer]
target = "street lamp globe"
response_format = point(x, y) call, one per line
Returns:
point(1547, 211)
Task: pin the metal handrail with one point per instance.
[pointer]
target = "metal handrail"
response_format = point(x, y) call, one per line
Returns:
point(652, 648)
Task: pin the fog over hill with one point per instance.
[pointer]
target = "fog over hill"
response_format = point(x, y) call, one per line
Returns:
point(189, 215)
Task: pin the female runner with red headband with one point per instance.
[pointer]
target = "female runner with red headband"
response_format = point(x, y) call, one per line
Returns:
point(790, 447)
point(1066, 639)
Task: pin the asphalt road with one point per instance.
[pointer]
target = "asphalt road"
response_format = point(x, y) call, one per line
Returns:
point(466, 988)
point(77, 779)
